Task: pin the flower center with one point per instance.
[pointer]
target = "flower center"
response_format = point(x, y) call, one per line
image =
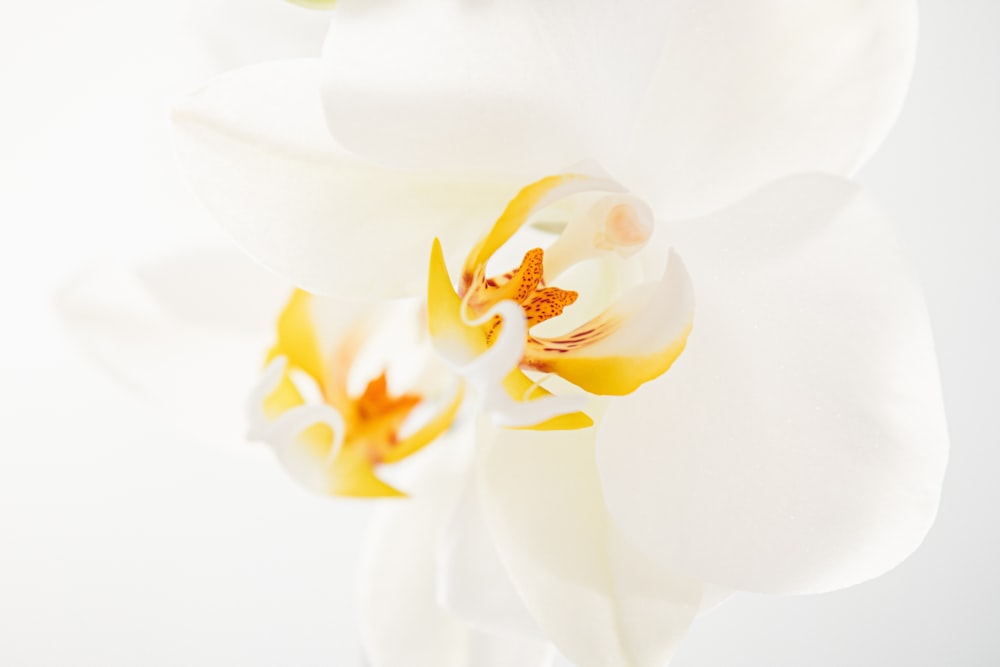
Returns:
point(524, 285)
point(374, 419)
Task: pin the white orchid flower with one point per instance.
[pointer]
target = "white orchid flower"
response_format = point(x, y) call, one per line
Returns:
point(798, 443)
point(188, 332)
point(487, 328)
point(330, 435)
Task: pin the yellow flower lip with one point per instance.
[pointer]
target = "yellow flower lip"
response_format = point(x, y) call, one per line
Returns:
point(635, 340)
point(523, 285)
point(352, 434)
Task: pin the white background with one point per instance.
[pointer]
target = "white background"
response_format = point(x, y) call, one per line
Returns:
point(124, 543)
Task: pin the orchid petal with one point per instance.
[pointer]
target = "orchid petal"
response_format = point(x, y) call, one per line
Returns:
point(186, 333)
point(255, 147)
point(297, 341)
point(799, 443)
point(241, 32)
point(328, 436)
point(748, 92)
point(649, 328)
point(428, 432)
point(694, 104)
point(600, 602)
point(511, 87)
point(472, 581)
point(401, 623)
point(529, 200)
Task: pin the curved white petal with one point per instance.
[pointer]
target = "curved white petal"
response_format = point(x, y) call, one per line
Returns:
point(241, 32)
point(402, 625)
point(598, 600)
point(472, 582)
point(693, 103)
point(513, 87)
point(748, 92)
point(188, 334)
point(255, 146)
point(648, 327)
point(215, 288)
point(799, 443)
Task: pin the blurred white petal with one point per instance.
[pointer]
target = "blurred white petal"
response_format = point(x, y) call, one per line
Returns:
point(748, 92)
point(241, 32)
point(598, 600)
point(188, 334)
point(472, 582)
point(511, 87)
point(255, 146)
point(402, 624)
point(692, 104)
point(799, 443)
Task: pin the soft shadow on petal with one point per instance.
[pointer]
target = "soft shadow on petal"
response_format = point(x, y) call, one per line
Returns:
point(519, 87)
point(748, 92)
point(402, 624)
point(255, 146)
point(799, 443)
point(188, 334)
point(599, 601)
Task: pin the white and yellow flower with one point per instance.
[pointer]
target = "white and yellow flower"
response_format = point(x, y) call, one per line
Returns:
point(330, 437)
point(798, 443)
point(487, 328)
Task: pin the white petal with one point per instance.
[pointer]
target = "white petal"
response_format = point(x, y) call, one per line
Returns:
point(472, 583)
point(187, 334)
point(600, 602)
point(241, 32)
point(515, 87)
point(697, 104)
point(798, 444)
point(255, 146)
point(402, 624)
point(748, 92)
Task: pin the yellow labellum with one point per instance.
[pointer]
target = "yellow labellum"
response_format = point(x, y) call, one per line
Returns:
point(611, 354)
point(372, 420)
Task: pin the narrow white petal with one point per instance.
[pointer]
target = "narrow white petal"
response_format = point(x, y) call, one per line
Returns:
point(514, 87)
point(600, 602)
point(748, 92)
point(799, 443)
point(255, 146)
